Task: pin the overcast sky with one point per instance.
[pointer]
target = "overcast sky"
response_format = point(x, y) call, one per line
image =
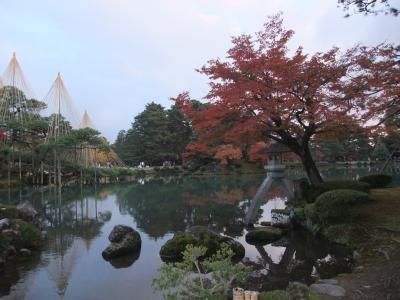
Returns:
point(117, 55)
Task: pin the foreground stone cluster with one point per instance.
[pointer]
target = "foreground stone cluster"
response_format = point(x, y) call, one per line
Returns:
point(20, 232)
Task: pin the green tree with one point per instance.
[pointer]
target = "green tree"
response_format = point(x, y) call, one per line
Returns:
point(180, 131)
point(156, 135)
point(380, 152)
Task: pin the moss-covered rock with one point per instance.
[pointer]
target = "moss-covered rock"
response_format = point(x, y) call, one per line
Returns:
point(376, 181)
point(263, 235)
point(173, 248)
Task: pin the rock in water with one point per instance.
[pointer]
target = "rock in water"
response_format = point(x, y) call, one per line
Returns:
point(105, 215)
point(119, 232)
point(263, 235)
point(27, 211)
point(124, 240)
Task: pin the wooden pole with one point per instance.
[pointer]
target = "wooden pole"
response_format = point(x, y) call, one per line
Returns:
point(9, 171)
point(19, 165)
point(41, 172)
point(59, 172)
point(55, 167)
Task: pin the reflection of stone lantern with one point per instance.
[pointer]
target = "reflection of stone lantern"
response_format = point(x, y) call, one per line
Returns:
point(275, 172)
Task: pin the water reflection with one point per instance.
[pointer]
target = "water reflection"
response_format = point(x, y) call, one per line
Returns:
point(80, 219)
point(301, 257)
point(124, 261)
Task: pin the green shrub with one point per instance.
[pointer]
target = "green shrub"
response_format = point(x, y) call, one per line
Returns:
point(312, 219)
point(186, 280)
point(337, 203)
point(343, 185)
point(274, 295)
point(30, 236)
point(295, 291)
point(377, 181)
point(299, 214)
point(312, 193)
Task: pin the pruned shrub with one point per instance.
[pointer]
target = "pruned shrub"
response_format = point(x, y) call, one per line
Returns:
point(336, 204)
point(314, 191)
point(376, 181)
point(343, 184)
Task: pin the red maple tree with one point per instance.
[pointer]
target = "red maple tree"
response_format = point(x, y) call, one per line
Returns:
point(263, 91)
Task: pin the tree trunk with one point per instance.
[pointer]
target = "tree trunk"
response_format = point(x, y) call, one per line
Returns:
point(310, 167)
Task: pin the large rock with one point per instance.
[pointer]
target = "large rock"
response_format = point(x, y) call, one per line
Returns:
point(4, 223)
point(328, 289)
point(27, 211)
point(124, 240)
point(263, 235)
point(173, 248)
point(105, 215)
point(280, 218)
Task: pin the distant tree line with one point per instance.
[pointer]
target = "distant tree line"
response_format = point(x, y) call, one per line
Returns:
point(157, 135)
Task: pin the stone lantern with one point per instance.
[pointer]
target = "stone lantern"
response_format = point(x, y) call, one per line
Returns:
point(275, 172)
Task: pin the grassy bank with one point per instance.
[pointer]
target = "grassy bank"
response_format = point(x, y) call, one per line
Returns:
point(374, 232)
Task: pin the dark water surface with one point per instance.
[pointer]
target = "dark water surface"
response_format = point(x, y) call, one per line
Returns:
point(71, 266)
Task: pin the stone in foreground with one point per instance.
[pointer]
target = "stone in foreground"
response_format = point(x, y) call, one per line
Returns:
point(263, 235)
point(173, 248)
point(26, 211)
point(328, 289)
point(124, 240)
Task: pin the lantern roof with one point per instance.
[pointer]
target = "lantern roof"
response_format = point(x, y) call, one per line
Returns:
point(274, 148)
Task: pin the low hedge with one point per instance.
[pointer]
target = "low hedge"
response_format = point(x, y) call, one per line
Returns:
point(343, 185)
point(337, 203)
point(376, 181)
point(313, 192)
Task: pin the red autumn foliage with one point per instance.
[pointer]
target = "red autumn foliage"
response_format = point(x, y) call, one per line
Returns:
point(225, 153)
point(263, 91)
point(254, 152)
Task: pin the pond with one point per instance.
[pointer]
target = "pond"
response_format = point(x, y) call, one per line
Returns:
point(71, 266)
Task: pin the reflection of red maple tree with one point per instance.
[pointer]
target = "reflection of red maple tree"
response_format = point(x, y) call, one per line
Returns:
point(222, 196)
point(225, 196)
point(263, 91)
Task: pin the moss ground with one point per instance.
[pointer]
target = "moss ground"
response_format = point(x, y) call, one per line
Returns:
point(374, 232)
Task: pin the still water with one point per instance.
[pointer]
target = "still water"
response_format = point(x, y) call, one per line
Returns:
point(70, 266)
